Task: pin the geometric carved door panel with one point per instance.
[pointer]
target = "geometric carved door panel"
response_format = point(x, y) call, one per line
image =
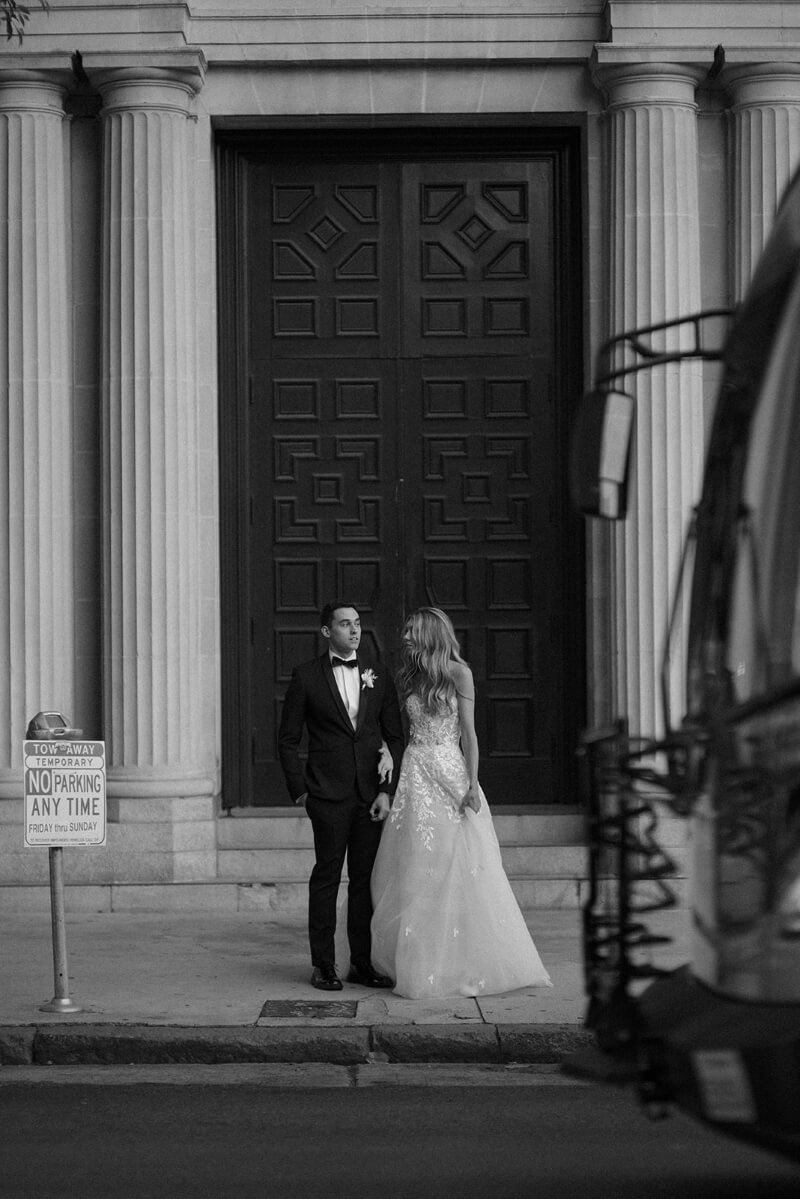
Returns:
point(322, 253)
point(479, 316)
point(403, 438)
point(479, 241)
point(483, 544)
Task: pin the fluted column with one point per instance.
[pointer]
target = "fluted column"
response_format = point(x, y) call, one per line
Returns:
point(654, 275)
point(766, 152)
point(151, 512)
point(36, 498)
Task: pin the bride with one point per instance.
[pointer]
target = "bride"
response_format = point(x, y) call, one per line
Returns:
point(445, 920)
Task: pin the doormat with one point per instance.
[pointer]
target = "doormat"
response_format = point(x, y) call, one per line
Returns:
point(309, 1009)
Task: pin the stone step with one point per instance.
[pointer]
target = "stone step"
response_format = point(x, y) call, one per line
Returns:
point(569, 861)
point(538, 880)
point(147, 854)
point(249, 828)
point(274, 865)
point(105, 866)
point(24, 898)
point(266, 828)
point(536, 861)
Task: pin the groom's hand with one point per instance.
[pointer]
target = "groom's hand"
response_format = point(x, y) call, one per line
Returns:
point(380, 808)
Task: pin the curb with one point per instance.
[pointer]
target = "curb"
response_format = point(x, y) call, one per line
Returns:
point(105, 1044)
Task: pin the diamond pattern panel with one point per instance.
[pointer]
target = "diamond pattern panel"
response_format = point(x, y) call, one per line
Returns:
point(482, 251)
point(321, 249)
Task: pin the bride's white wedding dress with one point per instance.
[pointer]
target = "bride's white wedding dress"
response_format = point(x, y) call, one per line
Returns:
point(445, 920)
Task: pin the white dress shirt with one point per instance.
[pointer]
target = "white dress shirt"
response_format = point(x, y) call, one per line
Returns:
point(349, 685)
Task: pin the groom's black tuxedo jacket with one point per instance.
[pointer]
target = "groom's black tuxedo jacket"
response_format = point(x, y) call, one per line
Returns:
point(341, 759)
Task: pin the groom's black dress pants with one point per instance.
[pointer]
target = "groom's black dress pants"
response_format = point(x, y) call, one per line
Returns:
point(342, 829)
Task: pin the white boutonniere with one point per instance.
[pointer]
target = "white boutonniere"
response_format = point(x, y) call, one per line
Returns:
point(368, 679)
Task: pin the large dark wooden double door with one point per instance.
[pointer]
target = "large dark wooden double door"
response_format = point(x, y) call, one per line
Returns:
point(401, 437)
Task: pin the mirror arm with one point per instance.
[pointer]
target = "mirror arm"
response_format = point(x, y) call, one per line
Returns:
point(634, 341)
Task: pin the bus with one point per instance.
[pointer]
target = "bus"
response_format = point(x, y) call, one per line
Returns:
point(719, 1036)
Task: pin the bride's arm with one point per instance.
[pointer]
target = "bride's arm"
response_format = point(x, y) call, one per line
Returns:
point(465, 693)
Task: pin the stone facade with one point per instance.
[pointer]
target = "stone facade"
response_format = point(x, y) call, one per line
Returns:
point(691, 123)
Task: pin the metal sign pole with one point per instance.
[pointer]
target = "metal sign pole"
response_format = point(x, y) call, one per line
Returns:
point(61, 1001)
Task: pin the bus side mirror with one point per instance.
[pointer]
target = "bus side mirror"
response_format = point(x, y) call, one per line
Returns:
point(600, 454)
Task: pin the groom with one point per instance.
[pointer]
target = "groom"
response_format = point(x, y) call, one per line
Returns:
point(348, 709)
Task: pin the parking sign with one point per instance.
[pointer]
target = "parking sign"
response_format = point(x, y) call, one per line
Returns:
point(65, 793)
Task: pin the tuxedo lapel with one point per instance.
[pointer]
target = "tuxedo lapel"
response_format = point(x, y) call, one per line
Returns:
point(363, 700)
point(327, 671)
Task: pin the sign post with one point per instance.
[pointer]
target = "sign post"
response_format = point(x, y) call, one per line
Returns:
point(61, 1001)
point(65, 804)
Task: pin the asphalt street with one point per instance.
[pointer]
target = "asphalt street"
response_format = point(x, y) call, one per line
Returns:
point(320, 1132)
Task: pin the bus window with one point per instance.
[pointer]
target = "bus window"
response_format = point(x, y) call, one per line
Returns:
point(764, 632)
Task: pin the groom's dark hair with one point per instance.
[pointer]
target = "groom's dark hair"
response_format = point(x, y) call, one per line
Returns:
point(326, 615)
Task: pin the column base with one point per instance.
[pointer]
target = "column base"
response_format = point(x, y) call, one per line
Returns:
point(159, 840)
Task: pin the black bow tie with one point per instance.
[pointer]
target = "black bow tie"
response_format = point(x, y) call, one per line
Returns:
point(351, 663)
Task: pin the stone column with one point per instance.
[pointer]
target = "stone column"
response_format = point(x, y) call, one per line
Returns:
point(766, 152)
point(36, 499)
point(151, 440)
point(653, 276)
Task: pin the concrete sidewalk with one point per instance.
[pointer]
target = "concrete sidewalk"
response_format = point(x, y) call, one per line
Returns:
point(169, 987)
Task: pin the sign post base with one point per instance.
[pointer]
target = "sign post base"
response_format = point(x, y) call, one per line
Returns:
point(65, 1006)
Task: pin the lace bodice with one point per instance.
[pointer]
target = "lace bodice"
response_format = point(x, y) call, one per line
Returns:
point(432, 729)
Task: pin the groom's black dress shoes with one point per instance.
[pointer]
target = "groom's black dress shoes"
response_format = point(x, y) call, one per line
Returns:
point(325, 978)
point(365, 975)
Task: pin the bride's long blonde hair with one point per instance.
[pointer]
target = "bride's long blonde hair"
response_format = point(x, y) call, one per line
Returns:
point(430, 647)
